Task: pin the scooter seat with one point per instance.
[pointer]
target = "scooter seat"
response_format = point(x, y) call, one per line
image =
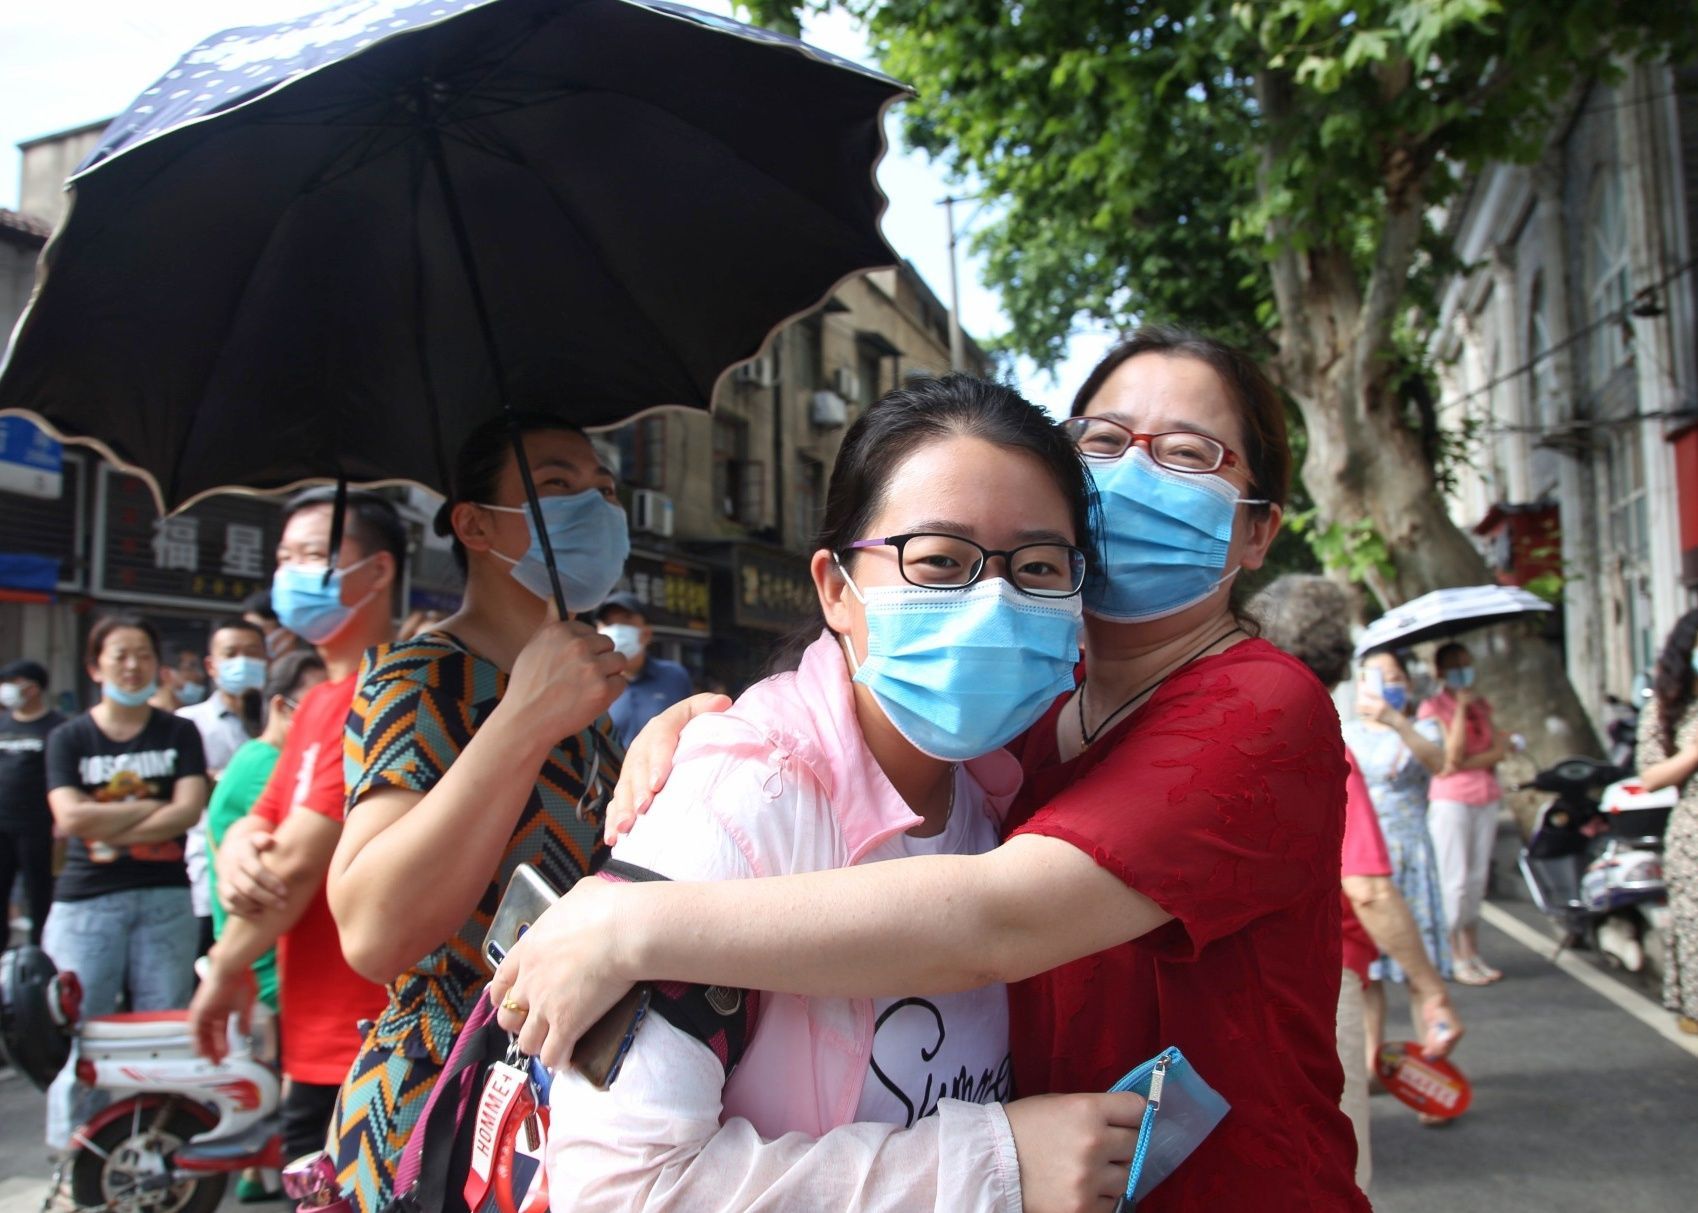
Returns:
point(134, 1025)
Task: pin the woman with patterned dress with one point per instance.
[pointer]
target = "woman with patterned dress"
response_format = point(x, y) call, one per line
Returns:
point(1668, 757)
point(1397, 756)
point(473, 747)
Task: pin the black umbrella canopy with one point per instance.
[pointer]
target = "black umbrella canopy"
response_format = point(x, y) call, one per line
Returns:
point(266, 274)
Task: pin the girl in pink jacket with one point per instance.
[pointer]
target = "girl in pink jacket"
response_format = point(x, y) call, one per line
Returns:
point(948, 571)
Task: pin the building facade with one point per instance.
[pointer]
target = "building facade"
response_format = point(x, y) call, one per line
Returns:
point(1570, 376)
point(733, 499)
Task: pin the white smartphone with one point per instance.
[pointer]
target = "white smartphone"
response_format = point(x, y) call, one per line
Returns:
point(1374, 679)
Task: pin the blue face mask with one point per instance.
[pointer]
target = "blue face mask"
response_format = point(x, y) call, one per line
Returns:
point(1165, 537)
point(309, 606)
point(1396, 696)
point(191, 693)
point(1459, 678)
point(238, 674)
point(961, 672)
point(129, 699)
point(591, 541)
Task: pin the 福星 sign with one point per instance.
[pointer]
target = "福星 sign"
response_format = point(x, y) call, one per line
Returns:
point(215, 553)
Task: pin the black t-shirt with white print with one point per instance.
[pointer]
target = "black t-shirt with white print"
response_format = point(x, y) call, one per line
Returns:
point(23, 772)
point(146, 767)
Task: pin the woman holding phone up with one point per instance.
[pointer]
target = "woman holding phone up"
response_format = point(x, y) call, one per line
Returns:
point(1170, 870)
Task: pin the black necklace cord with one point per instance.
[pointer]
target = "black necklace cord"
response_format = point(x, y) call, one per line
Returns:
point(1087, 736)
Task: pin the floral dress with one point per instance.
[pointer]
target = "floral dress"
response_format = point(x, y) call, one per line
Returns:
point(1398, 784)
point(1680, 861)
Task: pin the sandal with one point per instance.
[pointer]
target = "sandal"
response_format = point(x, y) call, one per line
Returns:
point(1428, 1121)
point(1471, 971)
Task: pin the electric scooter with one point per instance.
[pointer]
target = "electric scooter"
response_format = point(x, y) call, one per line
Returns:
point(1593, 862)
point(178, 1125)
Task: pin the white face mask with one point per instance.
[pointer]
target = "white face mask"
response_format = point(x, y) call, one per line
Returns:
point(11, 696)
point(627, 639)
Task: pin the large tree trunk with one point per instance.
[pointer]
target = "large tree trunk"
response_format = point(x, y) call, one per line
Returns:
point(1365, 462)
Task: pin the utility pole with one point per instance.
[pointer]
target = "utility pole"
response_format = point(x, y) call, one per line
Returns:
point(957, 345)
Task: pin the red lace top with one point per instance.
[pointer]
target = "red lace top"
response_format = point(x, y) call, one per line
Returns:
point(1222, 799)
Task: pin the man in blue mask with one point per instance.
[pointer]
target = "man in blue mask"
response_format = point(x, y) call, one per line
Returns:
point(653, 684)
point(273, 863)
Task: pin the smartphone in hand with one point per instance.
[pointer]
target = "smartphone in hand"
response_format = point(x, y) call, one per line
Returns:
point(528, 895)
point(599, 1052)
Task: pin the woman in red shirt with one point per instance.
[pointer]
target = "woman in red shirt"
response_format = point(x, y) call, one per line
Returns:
point(1171, 877)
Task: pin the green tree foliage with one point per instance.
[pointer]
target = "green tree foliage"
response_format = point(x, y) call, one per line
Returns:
point(1265, 171)
point(1144, 177)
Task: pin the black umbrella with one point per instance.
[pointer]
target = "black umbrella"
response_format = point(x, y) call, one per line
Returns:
point(330, 248)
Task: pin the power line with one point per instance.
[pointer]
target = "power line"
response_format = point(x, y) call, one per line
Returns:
point(1642, 297)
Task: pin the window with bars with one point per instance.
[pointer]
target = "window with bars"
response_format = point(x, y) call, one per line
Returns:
point(810, 497)
point(1607, 286)
point(642, 453)
point(1541, 370)
point(1629, 505)
point(739, 483)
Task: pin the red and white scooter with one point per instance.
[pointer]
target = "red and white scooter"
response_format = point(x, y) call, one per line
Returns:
point(178, 1125)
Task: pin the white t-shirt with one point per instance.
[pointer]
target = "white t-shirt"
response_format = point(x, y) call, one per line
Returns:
point(945, 1046)
point(221, 735)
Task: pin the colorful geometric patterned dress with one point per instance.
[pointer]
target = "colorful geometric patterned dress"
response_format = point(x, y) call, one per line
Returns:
point(1397, 782)
point(418, 704)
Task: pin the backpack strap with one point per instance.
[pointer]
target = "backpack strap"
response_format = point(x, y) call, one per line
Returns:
point(720, 1017)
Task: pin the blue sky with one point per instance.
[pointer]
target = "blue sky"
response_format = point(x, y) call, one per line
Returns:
point(64, 63)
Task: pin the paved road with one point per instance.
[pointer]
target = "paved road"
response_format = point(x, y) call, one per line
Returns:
point(1578, 1104)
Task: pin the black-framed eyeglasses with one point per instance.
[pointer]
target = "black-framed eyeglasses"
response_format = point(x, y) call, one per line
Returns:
point(935, 561)
point(1176, 450)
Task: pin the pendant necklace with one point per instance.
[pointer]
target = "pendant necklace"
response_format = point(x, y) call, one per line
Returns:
point(1087, 736)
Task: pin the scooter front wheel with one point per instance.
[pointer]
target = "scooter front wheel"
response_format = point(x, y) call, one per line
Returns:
point(125, 1165)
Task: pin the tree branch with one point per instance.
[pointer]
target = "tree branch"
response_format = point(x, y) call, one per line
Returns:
point(1285, 267)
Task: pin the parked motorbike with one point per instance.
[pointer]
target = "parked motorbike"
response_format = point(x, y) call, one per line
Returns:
point(178, 1125)
point(1593, 862)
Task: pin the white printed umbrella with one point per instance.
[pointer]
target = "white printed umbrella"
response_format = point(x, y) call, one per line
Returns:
point(1445, 613)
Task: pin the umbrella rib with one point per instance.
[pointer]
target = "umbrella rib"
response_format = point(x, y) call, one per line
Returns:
point(561, 204)
point(365, 152)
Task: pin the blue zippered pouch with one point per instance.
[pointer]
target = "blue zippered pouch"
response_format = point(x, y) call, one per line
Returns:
point(1182, 1109)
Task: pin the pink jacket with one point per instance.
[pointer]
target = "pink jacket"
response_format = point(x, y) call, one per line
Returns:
point(781, 783)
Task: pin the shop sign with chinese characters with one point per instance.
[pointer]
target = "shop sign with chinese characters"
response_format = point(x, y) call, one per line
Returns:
point(214, 554)
point(773, 589)
point(674, 593)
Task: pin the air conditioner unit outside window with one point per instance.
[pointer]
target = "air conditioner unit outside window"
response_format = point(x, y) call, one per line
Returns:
point(847, 382)
point(828, 410)
point(651, 512)
point(762, 371)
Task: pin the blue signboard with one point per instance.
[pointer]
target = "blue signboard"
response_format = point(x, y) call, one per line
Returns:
point(31, 463)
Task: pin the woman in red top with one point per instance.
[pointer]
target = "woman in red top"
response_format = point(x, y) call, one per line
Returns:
point(1172, 874)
